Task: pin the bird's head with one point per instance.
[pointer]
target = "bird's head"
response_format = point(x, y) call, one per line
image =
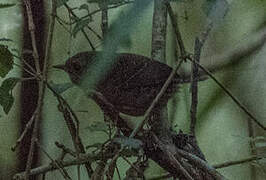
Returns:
point(76, 66)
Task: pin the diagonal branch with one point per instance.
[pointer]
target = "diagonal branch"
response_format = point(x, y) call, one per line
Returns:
point(239, 104)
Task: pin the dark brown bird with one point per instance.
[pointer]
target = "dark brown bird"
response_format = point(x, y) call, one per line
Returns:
point(131, 84)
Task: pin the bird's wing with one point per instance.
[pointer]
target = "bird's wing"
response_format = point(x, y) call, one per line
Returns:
point(131, 70)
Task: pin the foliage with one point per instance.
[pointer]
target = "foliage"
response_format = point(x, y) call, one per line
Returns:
point(80, 24)
point(6, 5)
point(6, 64)
point(6, 97)
point(5, 39)
point(62, 87)
point(60, 3)
point(6, 61)
point(98, 126)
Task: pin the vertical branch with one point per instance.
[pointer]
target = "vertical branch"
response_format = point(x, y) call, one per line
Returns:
point(194, 76)
point(32, 30)
point(194, 85)
point(49, 40)
point(252, 147)
point(176, 30)
point(159, 24)
point(41, 73)
point(29, 89)
point(104, 18)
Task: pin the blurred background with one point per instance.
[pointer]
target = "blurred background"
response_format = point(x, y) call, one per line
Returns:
point(224, 131)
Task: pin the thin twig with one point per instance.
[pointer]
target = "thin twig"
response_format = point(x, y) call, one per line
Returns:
point(94, 32)
point(72, 162)
point(61, 169)
point(111, 7)
point(118, 173)
point(63, 23)
point(175, 159)
point(149, 110)
point(104, 24)
point(133, 166)
point(65, 149)
point(235, 54)
point(74, 131)
point(25, 69)
point(194, 86)
point(32, 70)
point(239, 104)
point(31, 27)
point(28, 126)
point(195, 74)
point(237, 162)
point(156, 100)
point(82, 30)
point(252, 146)
point(49, 40)
point(176, 29)
point(201, 164)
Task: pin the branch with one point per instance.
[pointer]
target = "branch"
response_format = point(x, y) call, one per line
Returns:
point(156, 100)
point(235, 54)
point(239, 104)
point(83, 159)
point(159, 121)
point(176, 29)
point(68, 113)
point(82, 30)
point(40, 84)
point(54, 162)
point(237, 162)
point(199, 43)
point(201, 164)
point(104, 24)
point(111, 7)
point(27, 128)
point(194, 86)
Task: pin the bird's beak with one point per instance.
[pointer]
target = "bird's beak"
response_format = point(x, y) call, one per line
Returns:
point(60, 66)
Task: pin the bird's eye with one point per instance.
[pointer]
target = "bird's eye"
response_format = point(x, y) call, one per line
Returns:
point(76, 66)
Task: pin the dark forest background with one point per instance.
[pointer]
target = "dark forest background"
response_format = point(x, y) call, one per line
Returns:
point(234, 50)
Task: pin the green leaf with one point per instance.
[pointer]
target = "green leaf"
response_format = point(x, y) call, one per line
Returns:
point(131, 143)
point(6, 97)
point(5, 39)
point(84, 6)
point(6, 5)
point(98, 126)
point(6, 61)
point(60, 3)
point(6, 101)
point(62, 87)
point(9, 83)
point(80, 25)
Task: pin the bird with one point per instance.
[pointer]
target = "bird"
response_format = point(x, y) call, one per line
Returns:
point(131, 83)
